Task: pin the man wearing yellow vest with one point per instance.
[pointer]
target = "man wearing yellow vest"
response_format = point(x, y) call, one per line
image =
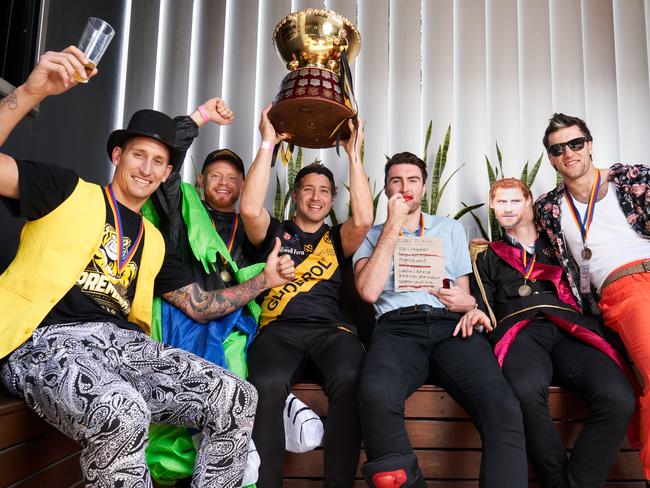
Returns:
point(300, 324)
point(77, 298)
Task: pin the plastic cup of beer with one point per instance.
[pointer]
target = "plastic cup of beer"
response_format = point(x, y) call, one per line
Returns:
point(94, 40)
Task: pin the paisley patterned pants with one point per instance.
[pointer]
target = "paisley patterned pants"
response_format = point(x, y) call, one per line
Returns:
point(102, 385)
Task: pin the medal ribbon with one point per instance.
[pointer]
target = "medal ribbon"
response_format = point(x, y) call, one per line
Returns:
point(421, 231)
point(585, 222)
point(122, 259)
point(233, 231)
point(528, 264)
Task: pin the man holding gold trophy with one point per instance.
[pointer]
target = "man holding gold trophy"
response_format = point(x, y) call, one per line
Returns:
point(301, 329)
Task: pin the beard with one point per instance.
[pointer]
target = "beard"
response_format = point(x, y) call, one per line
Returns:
point(217, 202)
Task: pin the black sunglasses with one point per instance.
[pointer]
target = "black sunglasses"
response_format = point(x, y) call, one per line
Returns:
point(574, 144)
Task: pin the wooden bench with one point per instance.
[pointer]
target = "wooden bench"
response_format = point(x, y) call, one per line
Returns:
point(33, 454)
point(447, 444)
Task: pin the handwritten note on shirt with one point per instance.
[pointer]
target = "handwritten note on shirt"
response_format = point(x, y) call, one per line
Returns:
point(419, 263)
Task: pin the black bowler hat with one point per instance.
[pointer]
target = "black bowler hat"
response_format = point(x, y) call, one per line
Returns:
point(153, 124)
point(224, 155)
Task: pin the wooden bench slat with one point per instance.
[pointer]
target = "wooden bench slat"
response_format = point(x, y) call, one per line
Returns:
point(19, 423)
point(446, 464)
point(317, 483)
point(26, 458)
point(461, 434)
point(9, 404)
point(63, 474)
point(30, 448)
point(433, 402)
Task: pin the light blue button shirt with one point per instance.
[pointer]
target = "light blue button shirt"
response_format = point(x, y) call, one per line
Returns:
point(457, 261)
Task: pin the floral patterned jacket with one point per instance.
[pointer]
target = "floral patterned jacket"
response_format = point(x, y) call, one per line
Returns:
point(632, 183)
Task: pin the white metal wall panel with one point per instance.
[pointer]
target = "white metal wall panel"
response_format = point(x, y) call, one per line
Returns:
point(239, 73)
point(372, 90)
point(632, 80)
point(143, 48)
point(566, 57)
point(404, 61)
point(206, 76)
point(535, 96)
point(502, 77)
point(601, 108)
point(172, 83)
point(470, 121)
point(438, 86)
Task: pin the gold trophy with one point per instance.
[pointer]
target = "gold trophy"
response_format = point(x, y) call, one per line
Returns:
point(316, 97)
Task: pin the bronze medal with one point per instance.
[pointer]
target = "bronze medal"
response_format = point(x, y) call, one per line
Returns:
point(225, 276)
point(524, 290)
point(586, 253)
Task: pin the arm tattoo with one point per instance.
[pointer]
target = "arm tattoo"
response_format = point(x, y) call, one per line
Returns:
point(204, 305)
point(10, 101)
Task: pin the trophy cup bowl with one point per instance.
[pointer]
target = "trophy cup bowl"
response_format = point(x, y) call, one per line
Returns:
point(312, 102)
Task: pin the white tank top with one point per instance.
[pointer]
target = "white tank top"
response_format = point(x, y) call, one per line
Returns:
point(613, 242)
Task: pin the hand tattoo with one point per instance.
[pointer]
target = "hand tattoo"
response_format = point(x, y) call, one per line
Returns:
point(204, 305)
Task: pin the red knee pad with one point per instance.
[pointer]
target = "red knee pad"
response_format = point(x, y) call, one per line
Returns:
point(390, 479)
point(393, 471)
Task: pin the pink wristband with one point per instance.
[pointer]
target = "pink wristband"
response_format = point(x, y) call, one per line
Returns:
point(267, 145)
point(204, 114)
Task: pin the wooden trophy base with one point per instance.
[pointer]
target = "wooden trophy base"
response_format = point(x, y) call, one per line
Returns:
point(310, 106)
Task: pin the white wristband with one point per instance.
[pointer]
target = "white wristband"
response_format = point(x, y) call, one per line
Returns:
point(267, 145)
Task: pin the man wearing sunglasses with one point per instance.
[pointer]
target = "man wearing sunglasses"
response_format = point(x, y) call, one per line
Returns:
point(580, 217)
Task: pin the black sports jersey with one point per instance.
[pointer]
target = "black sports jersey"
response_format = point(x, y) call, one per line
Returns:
point(313, 296)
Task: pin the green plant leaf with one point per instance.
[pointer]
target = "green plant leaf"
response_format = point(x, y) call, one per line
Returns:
point(445, 146)
point(443, 187)
point(332, 216)
point(286, 205)
point(480, 226)
point(524, 174)
point(424, 203)
point(278, 204)
point(533, 173)
point(435, 179)
point(295, 165)
point(500, 160)
point(491, 176)
point(495, 228)
point(427, 139)
point(436, 190)
point(467, 209)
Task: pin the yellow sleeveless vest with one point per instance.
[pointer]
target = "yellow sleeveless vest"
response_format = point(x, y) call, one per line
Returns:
point(53, 252)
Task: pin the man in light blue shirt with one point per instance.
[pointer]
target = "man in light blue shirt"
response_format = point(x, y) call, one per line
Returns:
point(418, 336)
point(458, 265)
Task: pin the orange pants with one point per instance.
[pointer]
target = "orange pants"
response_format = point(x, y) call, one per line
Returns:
point(626, 305)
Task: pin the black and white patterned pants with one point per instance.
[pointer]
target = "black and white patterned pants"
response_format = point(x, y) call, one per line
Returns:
point(102, 386)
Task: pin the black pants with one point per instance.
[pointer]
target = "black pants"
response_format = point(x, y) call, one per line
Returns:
point(543, 352)
point(276, 359)
point(404, 351)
